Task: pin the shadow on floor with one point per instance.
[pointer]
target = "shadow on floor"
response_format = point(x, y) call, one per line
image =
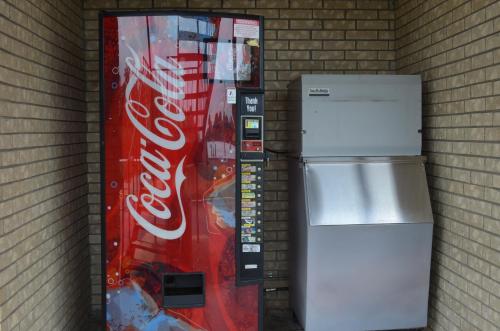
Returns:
point(280, 320)
point(283, 320)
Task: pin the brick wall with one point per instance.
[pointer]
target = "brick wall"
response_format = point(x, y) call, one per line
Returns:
point(44, 268)
point(49, 147)
point(302, 36)
point(455, 45)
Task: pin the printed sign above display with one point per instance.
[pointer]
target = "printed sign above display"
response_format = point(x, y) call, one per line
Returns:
point(246, 29)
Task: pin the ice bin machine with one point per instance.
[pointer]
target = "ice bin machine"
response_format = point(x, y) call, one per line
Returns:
point(361, 219)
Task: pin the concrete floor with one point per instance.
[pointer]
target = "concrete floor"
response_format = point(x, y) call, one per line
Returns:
point(276, 320)
point(280, 320)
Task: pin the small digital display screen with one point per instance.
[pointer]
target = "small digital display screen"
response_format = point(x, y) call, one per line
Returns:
point(251, 124)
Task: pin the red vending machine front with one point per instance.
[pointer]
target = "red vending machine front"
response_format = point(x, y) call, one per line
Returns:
point(182, 170)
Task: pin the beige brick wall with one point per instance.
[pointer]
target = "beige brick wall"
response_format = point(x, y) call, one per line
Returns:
point(302, 36)
point(49, 147)
point(44, 268)
point(455, 45)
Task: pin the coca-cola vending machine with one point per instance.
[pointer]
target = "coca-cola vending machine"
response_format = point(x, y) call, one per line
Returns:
point(182, 170)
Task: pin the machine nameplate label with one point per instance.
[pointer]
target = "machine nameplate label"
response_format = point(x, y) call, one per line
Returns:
point(319, 91)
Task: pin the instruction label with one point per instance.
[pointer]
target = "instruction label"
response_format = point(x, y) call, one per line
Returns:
point(231, 96)
point(246, 28)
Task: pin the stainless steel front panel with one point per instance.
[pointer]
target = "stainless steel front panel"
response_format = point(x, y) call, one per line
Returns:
point(367, 192)
point(368, 277)
point(360, 243)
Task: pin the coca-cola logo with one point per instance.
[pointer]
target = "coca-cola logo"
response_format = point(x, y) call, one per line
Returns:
point(166, 78)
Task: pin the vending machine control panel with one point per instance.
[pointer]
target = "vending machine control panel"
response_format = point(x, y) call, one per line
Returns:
point(250, 188)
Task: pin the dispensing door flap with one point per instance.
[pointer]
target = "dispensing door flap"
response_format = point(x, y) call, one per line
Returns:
point(183, 290)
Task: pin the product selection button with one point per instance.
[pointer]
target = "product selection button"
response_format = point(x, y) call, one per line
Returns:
point(249, 230)
point(248, 195)
point(246, 238)
point(248, 212)
point(248, 179)
point(249, 186)
point(248, 168)
point(248, 222)
point(248, 204)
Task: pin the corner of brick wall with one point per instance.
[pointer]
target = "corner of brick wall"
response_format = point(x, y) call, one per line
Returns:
point(455, 46)
point(44, 268)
